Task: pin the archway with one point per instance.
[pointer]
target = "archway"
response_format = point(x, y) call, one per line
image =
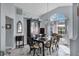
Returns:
point(58, 24)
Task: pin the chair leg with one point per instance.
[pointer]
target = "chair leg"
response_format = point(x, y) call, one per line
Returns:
point(37, 51)
point(47, 51)
point(40, 50)
point(30, 51)
point(34, 51)
point(50, 50)
point(57, 46)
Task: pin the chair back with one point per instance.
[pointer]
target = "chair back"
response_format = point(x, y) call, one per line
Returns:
point(48, 43)
point(30, 41)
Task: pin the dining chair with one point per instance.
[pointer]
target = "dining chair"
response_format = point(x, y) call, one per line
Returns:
point(52, 43)
point(34, 46)
point(48, 45)
point(56, 39)
point(43, 39)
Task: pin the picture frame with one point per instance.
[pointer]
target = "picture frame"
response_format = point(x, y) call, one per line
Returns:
point(8, 26)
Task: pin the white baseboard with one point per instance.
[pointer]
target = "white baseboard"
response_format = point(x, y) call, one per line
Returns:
point(10, 47)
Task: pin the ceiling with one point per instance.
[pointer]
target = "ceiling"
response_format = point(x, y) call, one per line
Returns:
point(37, 9)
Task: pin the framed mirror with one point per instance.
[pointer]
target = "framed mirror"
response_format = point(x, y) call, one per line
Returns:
point(19, 27)
point(34, 27)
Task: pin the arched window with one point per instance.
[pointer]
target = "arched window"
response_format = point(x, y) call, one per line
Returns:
point(19, 27)
point(57, 17)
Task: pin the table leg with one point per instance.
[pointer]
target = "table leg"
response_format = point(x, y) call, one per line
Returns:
point(34, 51)
point(43, 50)
point(16, 44)
point(19, 44)
point(23, 43)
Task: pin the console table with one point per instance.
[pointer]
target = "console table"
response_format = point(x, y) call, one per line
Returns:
point(18, 40)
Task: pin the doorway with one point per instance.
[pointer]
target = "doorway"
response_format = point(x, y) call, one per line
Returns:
point(9, 32)
point(60, 26)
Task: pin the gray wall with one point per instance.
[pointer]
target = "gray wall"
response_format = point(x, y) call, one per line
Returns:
point(74, 44)
point(25, 30)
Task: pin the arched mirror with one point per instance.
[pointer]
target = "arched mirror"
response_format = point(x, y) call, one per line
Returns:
point(19, 27)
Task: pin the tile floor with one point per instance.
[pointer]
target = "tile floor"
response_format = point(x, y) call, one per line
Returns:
point(63, 50)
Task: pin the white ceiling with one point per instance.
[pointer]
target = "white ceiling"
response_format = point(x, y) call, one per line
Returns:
point(37, 9)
